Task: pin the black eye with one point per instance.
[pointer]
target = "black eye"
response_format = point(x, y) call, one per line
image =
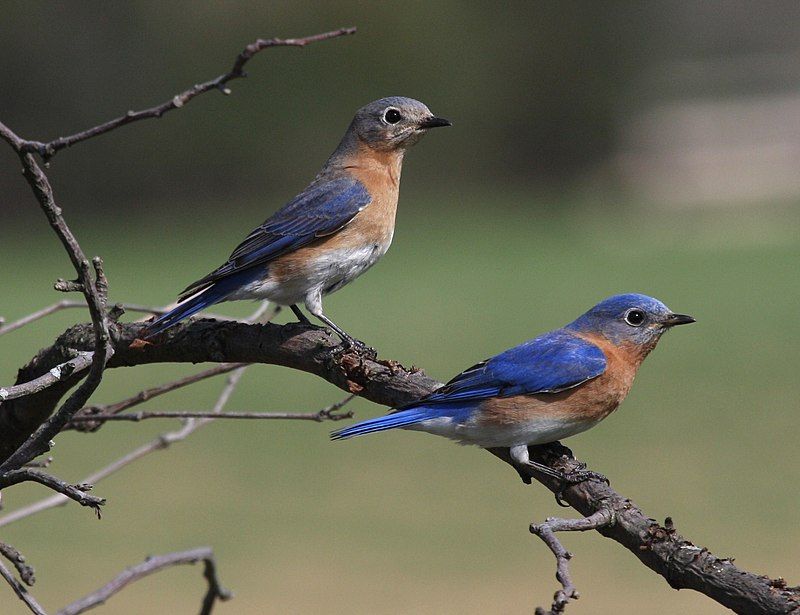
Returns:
point(634, 317)
point(392, 116)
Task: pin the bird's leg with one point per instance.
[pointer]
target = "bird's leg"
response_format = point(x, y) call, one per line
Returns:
point(521, 457)
point(302, 318)
point(314, 305)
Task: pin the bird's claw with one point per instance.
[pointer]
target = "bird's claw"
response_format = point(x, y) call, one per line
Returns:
point(573, 478)
point(354, 346)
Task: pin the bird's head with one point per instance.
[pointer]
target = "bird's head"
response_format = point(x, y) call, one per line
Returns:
point(630, 320)
point(394, 123)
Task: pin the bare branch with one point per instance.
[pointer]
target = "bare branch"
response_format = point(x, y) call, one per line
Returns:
point(160, 443)
point(24, 570)
point(21, 591)
point(94, 290)
point(298, 346)
point(149, 566)
point(89, 415)
point(546, 531)
point(71, 303)
point(49, 149)
point(73, 492)
point(50, 309)
point(325, 414)
point(59, 373)
point(661, 548)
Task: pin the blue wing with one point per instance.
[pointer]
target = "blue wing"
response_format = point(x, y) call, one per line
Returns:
point(323, 208)
point(554, 362)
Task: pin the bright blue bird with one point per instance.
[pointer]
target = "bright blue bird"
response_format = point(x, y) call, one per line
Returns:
point(546, 389)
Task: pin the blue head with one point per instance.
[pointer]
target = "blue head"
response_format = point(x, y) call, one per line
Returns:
point(392, 123)
point(630, 319)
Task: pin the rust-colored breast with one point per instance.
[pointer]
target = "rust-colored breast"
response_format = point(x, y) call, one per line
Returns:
point(591, 401)
point(374, 225)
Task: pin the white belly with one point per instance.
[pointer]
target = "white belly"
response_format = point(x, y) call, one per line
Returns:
point(540, 430)
point(327, 273)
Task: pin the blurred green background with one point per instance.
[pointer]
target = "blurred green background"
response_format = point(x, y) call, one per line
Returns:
point(595, 150)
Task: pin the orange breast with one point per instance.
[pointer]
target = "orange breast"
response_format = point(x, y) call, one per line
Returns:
point(380, 174)
point(590, 402)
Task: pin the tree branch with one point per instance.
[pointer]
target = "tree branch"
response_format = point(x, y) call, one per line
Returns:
point(59, 373)
point(49, 149)
point(149, 566)
point(302, 347)
point(682, 564)
point(24, 570)
point(546, 531)
point(160, 443)
point(69, 303)
point(73, 492)
point(94, 289)
point(313, 350)
point(21, 591)
point(325, 414)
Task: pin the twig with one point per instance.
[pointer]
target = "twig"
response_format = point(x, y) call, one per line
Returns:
point(160, 443)
point(325, 414)
point(73, 492)
point(59, 373)
point(21, 591)
point(24, 570)
point(91, 413)
point(149, 566)
point(546, 531)
point(49, 149)
point(94, 288)
point(71, 303)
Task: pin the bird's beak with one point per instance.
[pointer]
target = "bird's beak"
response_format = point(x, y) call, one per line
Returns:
point(678, 319)
point(433, 122)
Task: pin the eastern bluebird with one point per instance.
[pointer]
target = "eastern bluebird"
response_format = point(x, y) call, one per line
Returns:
point(548, 388)
point(329, 234)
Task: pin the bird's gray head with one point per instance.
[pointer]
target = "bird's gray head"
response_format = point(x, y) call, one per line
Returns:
point(630, 319)
point(393, 123)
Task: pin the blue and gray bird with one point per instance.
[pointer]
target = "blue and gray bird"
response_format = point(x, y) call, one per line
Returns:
point(330, 233)
point(546, 389)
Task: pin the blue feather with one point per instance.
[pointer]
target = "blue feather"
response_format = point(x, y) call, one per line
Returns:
point(210, 296)
point(321, 209)
point(550, 363)
point(554, 362)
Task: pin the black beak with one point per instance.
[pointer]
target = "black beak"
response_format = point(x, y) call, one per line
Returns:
point(433, 122)
point(678, 319)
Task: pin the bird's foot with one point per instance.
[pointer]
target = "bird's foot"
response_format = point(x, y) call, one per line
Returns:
point(578, 475)
point(352, 345)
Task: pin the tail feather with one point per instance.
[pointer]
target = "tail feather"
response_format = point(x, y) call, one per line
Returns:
point(219, 291)
point(214, 294)
point(382, 423)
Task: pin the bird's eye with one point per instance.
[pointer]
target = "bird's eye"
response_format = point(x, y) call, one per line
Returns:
point(634, 317)
point(392, 116)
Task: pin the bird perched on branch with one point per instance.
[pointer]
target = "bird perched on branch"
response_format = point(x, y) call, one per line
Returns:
point(549, 388)
point(330, 233)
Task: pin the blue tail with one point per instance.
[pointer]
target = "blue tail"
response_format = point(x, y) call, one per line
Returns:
point(382, 423)
point(214, 294)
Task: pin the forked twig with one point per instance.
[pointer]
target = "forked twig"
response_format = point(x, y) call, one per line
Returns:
point(48, 150)
point(546, 531)
point(149, 566)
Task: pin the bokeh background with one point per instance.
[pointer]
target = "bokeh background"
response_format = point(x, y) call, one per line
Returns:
point(597, 148)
